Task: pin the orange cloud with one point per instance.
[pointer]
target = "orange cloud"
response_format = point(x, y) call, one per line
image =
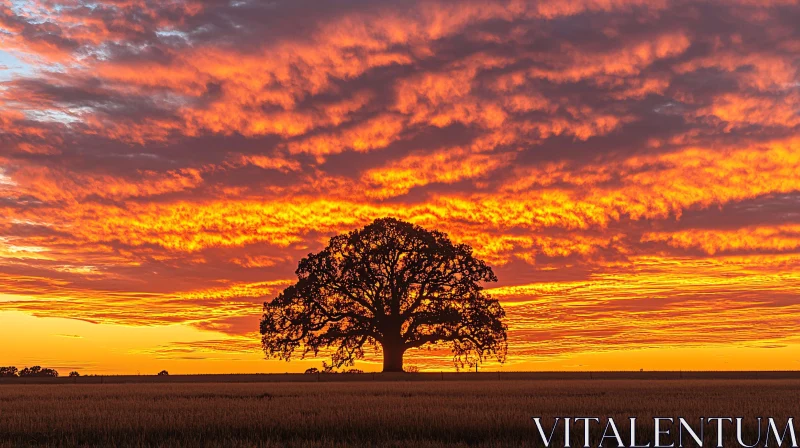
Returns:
point(376, 133)
point(447, 166)
point(782, 238)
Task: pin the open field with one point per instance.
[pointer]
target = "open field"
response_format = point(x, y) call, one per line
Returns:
point(425, 376)
point(486, 413)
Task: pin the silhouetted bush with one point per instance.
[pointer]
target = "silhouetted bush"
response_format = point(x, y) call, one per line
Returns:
point(74, 374)
point(411, 369)
point(163, 373)
point(353, 371)
point(38, 371)
point(312, 370)
point(7, 372)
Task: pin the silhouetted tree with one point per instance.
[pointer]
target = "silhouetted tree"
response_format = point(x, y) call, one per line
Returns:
point(312, 370)
point(9, 371)
point(392, 284)
point(37, 371)
point(74, 374)
point(163, 373)
point(327, 368)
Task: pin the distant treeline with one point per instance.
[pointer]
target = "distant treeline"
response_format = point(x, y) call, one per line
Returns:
point(325, 370)
point(35, 371)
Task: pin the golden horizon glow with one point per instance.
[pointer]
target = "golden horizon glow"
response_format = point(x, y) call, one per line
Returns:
point(630, 168)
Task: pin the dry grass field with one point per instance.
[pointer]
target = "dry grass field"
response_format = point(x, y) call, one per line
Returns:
point(486, 413)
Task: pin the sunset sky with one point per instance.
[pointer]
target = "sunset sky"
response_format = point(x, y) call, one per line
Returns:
point(630, 168)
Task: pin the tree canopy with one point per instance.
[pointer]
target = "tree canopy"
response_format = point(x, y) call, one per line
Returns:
point(9, 371)
point(38, 371)
point(392, 284)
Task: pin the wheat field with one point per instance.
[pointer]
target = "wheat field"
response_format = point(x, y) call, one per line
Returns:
point(494, 413)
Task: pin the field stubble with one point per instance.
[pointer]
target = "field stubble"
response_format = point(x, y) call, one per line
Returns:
point(423, 414)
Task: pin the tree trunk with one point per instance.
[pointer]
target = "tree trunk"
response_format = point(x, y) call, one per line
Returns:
point(393, 358)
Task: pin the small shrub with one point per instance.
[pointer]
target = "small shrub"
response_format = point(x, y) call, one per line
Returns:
point(74, 374)
point(312, 370)
point(163, 373)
